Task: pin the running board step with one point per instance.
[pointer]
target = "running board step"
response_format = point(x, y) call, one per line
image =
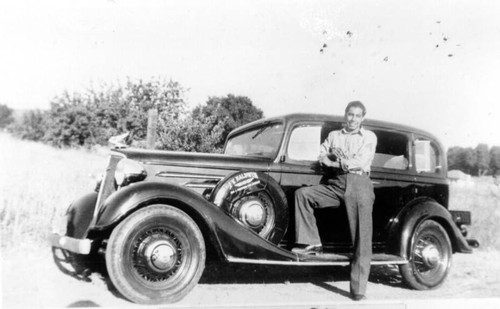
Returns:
point(325, 259)
point(377, 259)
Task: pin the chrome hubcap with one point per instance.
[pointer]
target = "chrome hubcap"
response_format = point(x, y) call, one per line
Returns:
point(253, 213)
point(431, 256)
point(428, 256)
point(157, 254)
point(160, 255)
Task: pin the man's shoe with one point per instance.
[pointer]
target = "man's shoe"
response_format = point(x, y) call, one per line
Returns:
point(358, 297)
point(309, 250)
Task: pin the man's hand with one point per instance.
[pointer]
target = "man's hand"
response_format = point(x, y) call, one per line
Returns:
point(326, 161)
point(337, 153)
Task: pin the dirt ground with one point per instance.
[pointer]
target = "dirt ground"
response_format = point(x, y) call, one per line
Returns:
point(32, 280)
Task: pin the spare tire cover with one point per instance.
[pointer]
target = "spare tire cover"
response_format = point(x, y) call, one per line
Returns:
point(256, 200)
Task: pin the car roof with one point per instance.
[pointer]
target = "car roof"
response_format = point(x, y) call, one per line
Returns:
point(298, 117)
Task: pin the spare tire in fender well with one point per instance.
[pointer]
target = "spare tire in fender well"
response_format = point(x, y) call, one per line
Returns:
point(256, 200)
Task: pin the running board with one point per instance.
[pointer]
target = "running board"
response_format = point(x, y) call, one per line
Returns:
point(325, 259)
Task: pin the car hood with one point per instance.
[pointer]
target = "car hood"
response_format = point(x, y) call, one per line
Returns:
point(195, 159)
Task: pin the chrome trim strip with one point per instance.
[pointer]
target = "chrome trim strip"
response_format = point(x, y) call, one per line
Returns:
point(395, 262)
point(200, 185)
point(188, 175)
point(304, 263)
point(268, 167)
point(295, 263)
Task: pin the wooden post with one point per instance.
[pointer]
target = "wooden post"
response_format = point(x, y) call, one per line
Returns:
point(152, 124)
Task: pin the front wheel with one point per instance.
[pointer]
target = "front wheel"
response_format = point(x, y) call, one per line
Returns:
point(156, 255)
point(429, 257)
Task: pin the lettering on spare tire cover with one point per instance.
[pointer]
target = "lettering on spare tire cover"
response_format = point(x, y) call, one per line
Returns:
point(234, 185)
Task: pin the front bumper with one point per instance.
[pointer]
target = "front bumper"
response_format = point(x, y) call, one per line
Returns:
point(80, 246)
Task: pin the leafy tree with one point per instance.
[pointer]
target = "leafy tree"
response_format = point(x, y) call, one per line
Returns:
point(166, 97)
point(483, 159)
point(469, 159)
point(31, 126)
point(93, 116)
point(453, 156)
point(186, 135)
point(5, 116)
point(464, 159)
point(495, 160)
point(221, 115)
point(69, 121)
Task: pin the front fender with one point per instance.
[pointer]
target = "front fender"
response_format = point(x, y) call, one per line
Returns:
point(403, 226)
point(126, 200)
point(230, 238)
point(79, 215)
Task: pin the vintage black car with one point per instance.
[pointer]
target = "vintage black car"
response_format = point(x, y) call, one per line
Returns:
point(158, 216)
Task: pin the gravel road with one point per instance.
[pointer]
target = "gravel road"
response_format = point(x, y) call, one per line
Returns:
point(32, 280)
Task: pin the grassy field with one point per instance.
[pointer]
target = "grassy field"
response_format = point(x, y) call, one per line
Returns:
point(38, 182)
point(482, 198)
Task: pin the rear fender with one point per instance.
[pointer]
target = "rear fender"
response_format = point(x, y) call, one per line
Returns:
point(417, 211)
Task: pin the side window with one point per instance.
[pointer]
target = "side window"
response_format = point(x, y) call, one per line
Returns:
point(392, 150)
point(304, 143)
point(426, 156)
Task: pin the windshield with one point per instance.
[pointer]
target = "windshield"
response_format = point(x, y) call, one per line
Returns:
point(262, 141)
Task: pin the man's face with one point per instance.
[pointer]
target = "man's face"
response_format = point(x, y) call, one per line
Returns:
point(353, 118)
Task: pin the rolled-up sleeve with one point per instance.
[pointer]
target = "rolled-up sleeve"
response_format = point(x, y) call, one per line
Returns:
point(325, 146)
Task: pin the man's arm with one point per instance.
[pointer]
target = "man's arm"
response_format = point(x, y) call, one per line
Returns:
point(364, 157)
point(324, 155)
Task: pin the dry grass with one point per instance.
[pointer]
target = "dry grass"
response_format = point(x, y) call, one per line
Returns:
point(38, 182)
point(482, 198)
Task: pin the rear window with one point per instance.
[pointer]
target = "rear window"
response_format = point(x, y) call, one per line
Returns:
point(427, 156)
point(392, 150)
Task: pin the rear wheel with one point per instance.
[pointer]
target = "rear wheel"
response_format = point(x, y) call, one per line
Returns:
point(156, 255)
point(429, 257)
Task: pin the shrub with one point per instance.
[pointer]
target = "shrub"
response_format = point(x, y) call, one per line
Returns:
point(31, 126)
point(93, 116)
point(5, 116)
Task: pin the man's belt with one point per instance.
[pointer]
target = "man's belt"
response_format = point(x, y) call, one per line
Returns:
point(359, 172)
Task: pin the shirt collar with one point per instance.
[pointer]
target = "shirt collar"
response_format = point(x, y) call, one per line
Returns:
point(361, 131)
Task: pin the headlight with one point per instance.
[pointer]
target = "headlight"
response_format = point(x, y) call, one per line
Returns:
point(129, 171)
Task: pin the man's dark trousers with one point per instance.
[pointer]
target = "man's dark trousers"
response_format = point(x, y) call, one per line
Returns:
point(356, 191)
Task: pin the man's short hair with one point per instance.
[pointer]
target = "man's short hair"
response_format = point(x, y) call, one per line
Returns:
point(356, 104)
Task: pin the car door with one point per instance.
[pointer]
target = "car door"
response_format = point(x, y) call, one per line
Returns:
point(393, 178)
point(392, 175)
point(299, 167)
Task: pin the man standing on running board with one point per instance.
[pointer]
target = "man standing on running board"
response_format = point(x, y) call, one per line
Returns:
point(347, 155)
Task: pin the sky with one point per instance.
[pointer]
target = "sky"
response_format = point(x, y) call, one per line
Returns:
point(434, 65)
